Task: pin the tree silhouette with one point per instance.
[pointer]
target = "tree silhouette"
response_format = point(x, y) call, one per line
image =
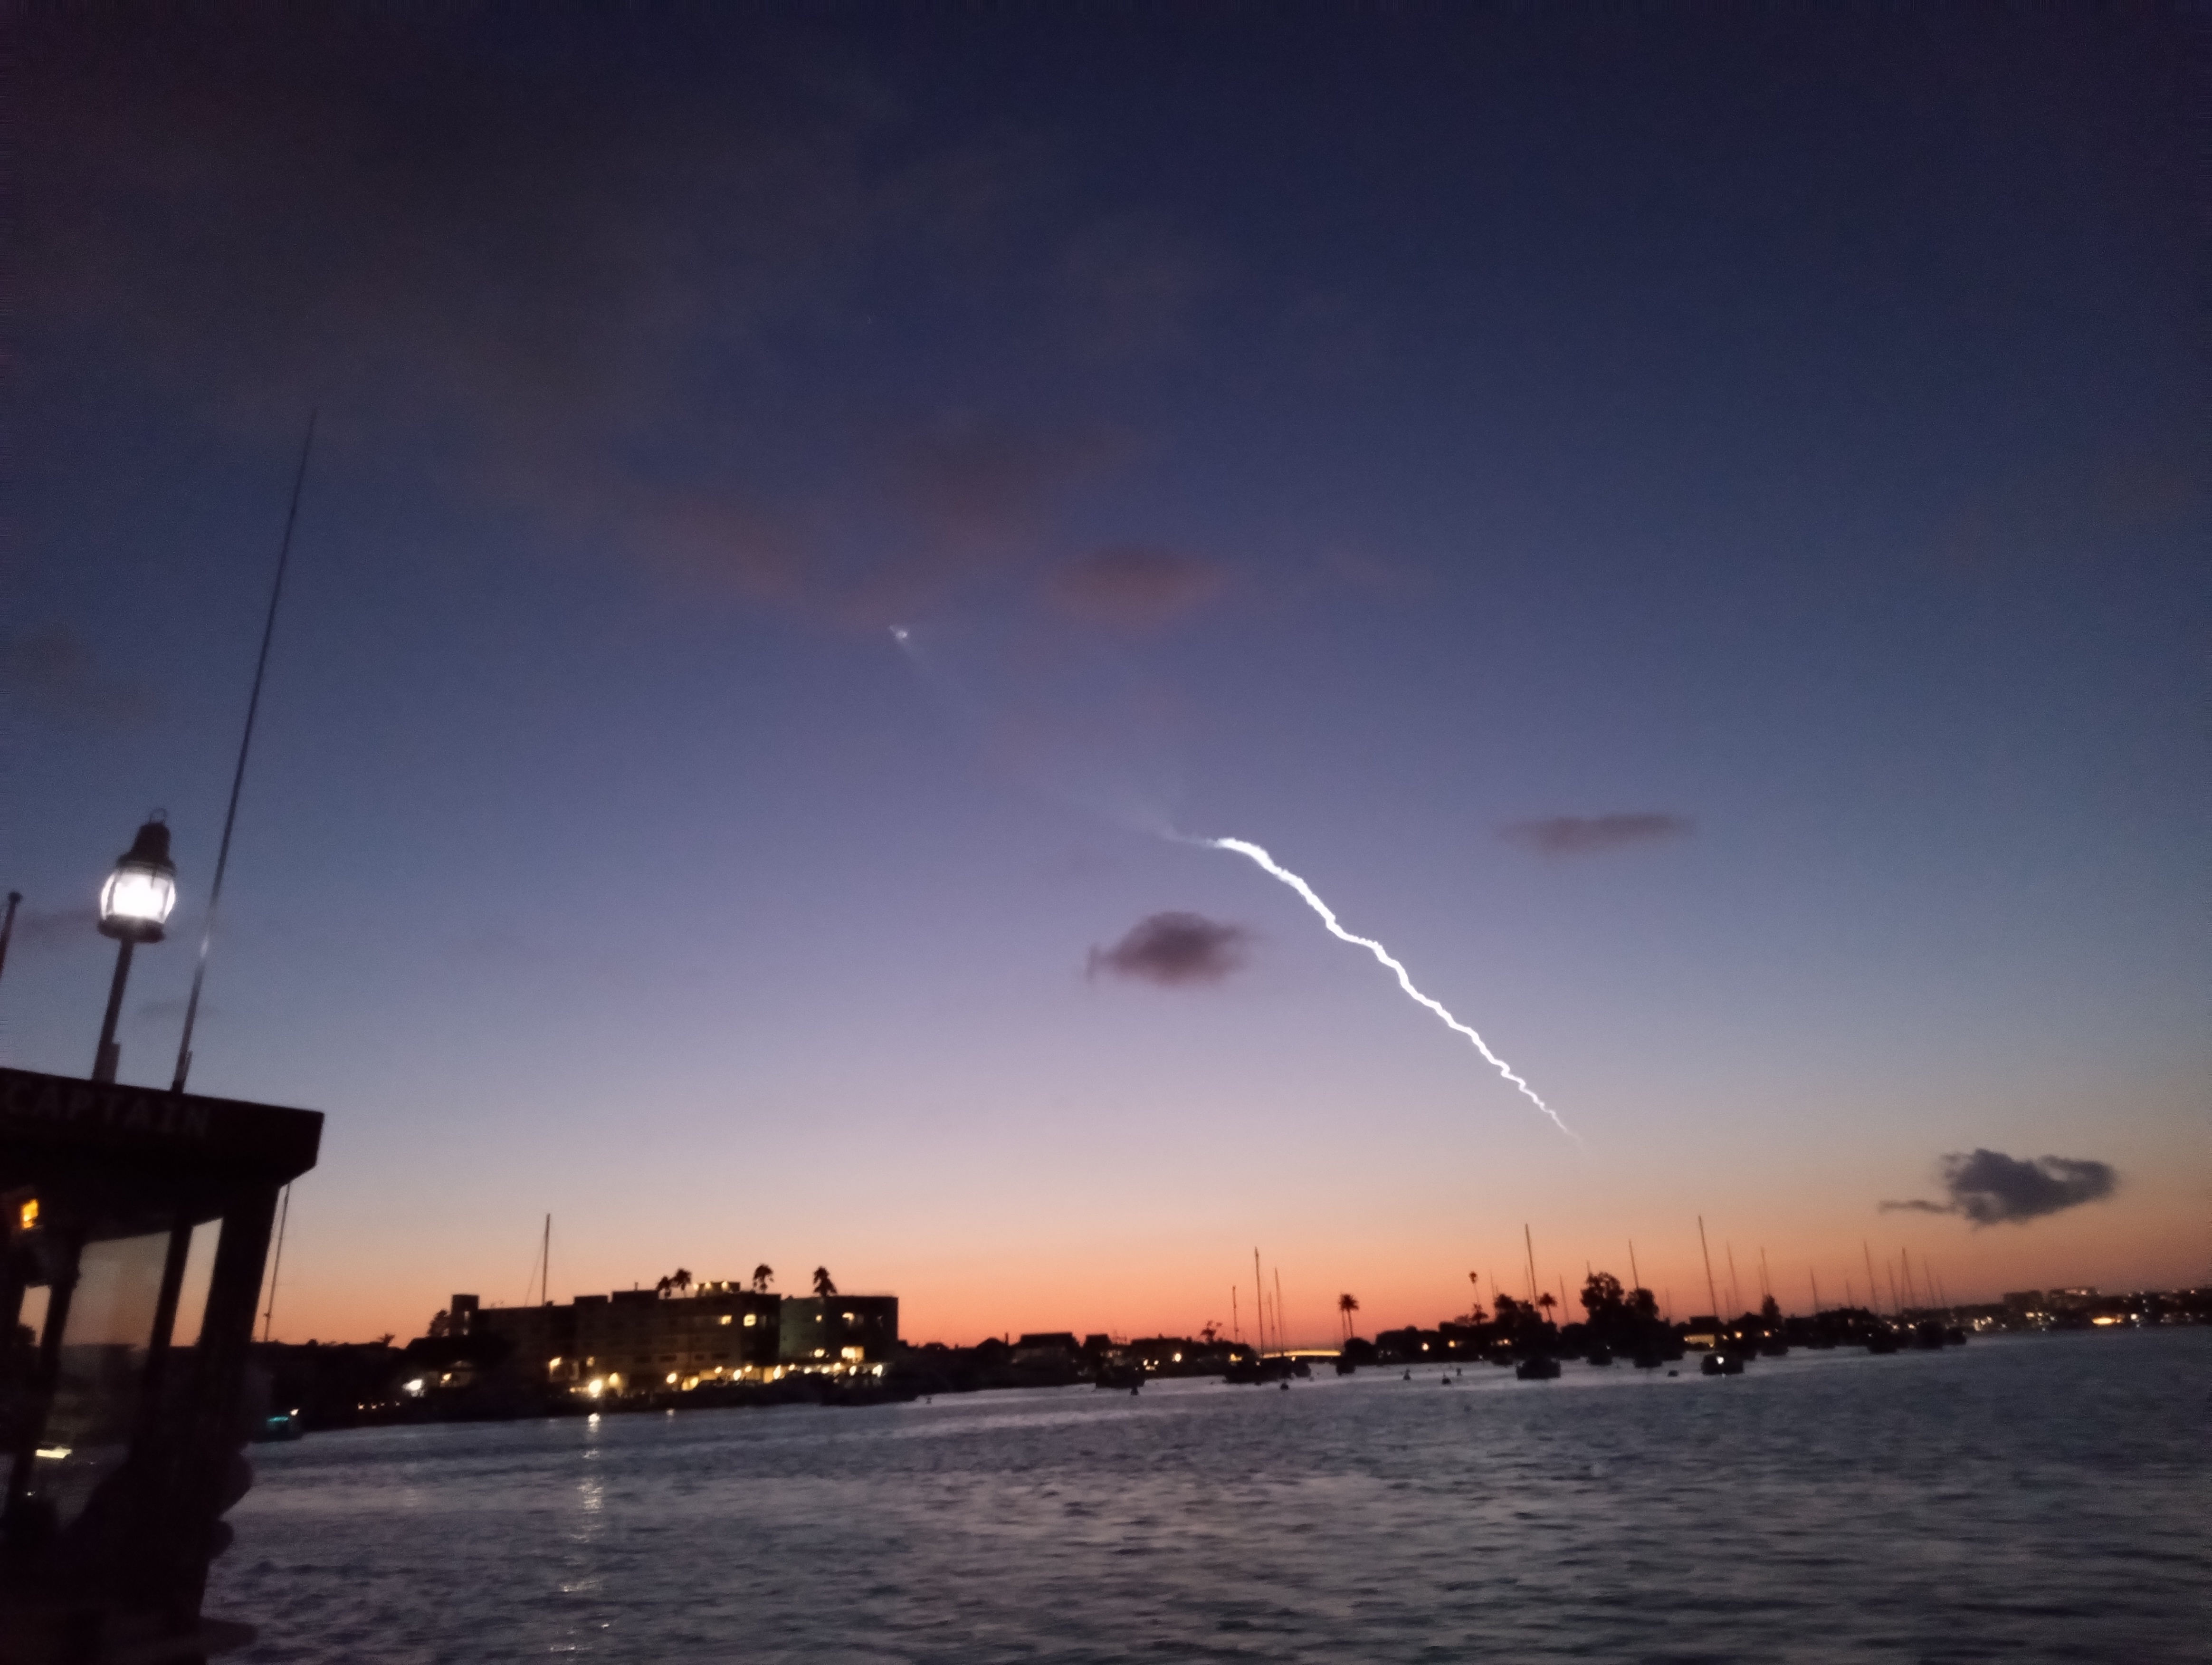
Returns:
point(1212, 1329)
point(680, 1279)
point(763, 1275)
point(662, 1288)
point(1345, 1306)
point(822, 1287)
point(1545, 1302)
point(1601, 1295)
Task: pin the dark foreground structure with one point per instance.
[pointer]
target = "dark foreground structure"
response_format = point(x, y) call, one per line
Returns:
point(137, 1224)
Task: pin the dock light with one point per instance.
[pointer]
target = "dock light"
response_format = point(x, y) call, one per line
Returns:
point(134, 908)
point(134, 903)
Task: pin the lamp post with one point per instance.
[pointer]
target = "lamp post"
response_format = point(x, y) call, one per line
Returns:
point(134, 907)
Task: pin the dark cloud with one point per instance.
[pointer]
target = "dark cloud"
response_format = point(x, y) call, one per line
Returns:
point(1174, 949)
point(1593, 834)
point(1991, 1189)
point(52, 673)
point(1134, 587)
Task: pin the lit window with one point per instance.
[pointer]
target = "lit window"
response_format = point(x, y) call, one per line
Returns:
point(27, 1215)
point(725, 1317)
point(847, 1316)
point(751, 1318)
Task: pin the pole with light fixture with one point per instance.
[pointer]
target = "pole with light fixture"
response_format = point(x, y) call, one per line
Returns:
point(134, 908)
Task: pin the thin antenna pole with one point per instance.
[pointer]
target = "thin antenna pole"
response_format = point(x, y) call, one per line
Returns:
point(545, 1265)
point(238, 778)
point(1235, 1323)
point(283, 1218)
point(1815, 1277)
point(1874, 1289)
point(1635, 1278)
point(1279, 1305)
point(8, 925)
point(1528, 1244)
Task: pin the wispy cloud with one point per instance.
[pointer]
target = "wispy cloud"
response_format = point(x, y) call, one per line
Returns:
point(1133, 587)
point(1174, 949)
point(52, 673)
point(1991, 1189)
point(591, 309)
point(55, 927)
point(1594, 834)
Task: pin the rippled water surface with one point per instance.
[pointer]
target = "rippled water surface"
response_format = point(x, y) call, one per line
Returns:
point(2045, 1499)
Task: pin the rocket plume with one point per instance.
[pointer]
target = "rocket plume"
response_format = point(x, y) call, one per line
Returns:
point(1260, 857)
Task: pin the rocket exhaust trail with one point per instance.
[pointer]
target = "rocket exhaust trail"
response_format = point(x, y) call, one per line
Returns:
point(1254, 853)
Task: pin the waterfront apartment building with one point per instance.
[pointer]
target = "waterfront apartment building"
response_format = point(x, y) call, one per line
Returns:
point(639, 1340)
point(827, 1332)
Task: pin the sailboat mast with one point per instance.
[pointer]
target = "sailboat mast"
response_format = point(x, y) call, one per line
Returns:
point(1259, 1303)
point(1712, 1294)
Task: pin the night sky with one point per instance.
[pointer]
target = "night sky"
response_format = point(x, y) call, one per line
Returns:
point(1686, 524)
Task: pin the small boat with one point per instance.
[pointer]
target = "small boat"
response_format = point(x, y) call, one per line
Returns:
point(1538, 1368)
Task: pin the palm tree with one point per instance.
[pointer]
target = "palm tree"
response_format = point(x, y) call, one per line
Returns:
point(680, 1280)
point(1345, 1306)
point(822, 1287)
point(762, 1277)
point(1546, 1301)
point(661, 1289)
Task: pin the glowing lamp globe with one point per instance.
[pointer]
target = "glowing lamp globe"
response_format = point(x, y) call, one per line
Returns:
point(134, 903)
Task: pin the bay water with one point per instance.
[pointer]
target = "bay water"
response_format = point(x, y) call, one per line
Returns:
point(2038, 1497)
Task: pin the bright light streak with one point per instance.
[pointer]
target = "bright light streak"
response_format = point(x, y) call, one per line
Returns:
point(1328, 918)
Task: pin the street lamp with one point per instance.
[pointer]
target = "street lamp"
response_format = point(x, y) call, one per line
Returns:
point(134, 907)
